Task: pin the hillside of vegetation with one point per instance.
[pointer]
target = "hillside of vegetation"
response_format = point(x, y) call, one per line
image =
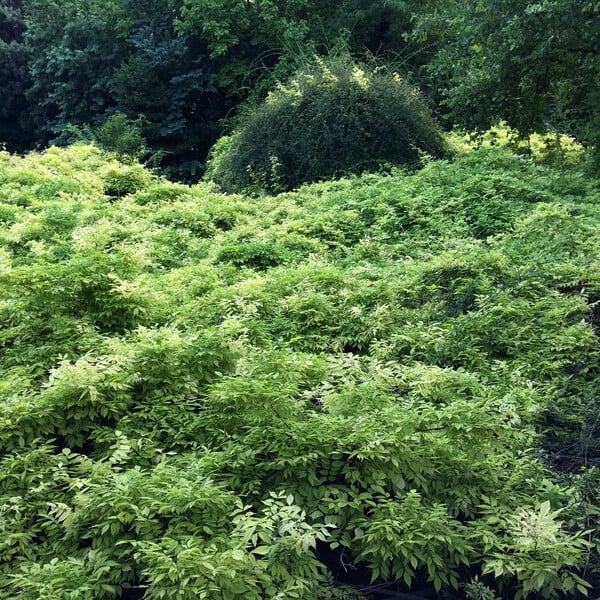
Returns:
point(387, 378)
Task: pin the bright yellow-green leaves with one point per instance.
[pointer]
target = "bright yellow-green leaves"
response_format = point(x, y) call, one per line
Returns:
point(208, 396)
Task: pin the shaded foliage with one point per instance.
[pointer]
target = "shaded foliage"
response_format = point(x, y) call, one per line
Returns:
point(184, 71)
point(535, 65)
point(334, 119)
point(15, 129)
point(176, 68)
point(91, 60)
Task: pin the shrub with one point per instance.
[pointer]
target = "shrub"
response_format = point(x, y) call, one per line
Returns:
point(383, 376)
point(122, 137)
point(329, 120)
point(121, 180)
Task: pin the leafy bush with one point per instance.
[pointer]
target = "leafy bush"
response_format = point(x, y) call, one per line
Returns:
point(208, 396)
point(332, 119)
point(125, 179)
point(554, 149)
point(122, 137)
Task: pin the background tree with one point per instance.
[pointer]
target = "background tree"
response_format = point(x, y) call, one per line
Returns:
point(92, 59)
point(256, 44)
point(179, 69)
point(14, 78)
point(185, 70)
point(535, 65)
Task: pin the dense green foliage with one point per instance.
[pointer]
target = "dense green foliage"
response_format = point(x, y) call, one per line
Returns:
point(206, 396)
point(14, 77)
point(260, 43)
point(175, 68)
point(391, 376)
point(334, 119)
point(92, 59)
point(183, 71)
point(534, 64)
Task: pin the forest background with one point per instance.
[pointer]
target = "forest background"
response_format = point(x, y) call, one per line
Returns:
point(371, 378)
point(180, 73)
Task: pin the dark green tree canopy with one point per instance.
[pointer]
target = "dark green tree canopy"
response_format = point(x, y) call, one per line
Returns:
point(175, 68)
point(91, 59)
point(183, 71)
point(257, 44)
point(14, 77)
point(535, 65)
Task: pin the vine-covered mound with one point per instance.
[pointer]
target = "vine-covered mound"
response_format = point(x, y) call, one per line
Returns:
point(207, 396)
point(332, 119)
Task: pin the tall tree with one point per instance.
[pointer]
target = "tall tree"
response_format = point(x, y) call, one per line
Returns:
point(15, 131)
point(256, 44)
point(94, 58)
point(534, 64)
point(176, 68)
